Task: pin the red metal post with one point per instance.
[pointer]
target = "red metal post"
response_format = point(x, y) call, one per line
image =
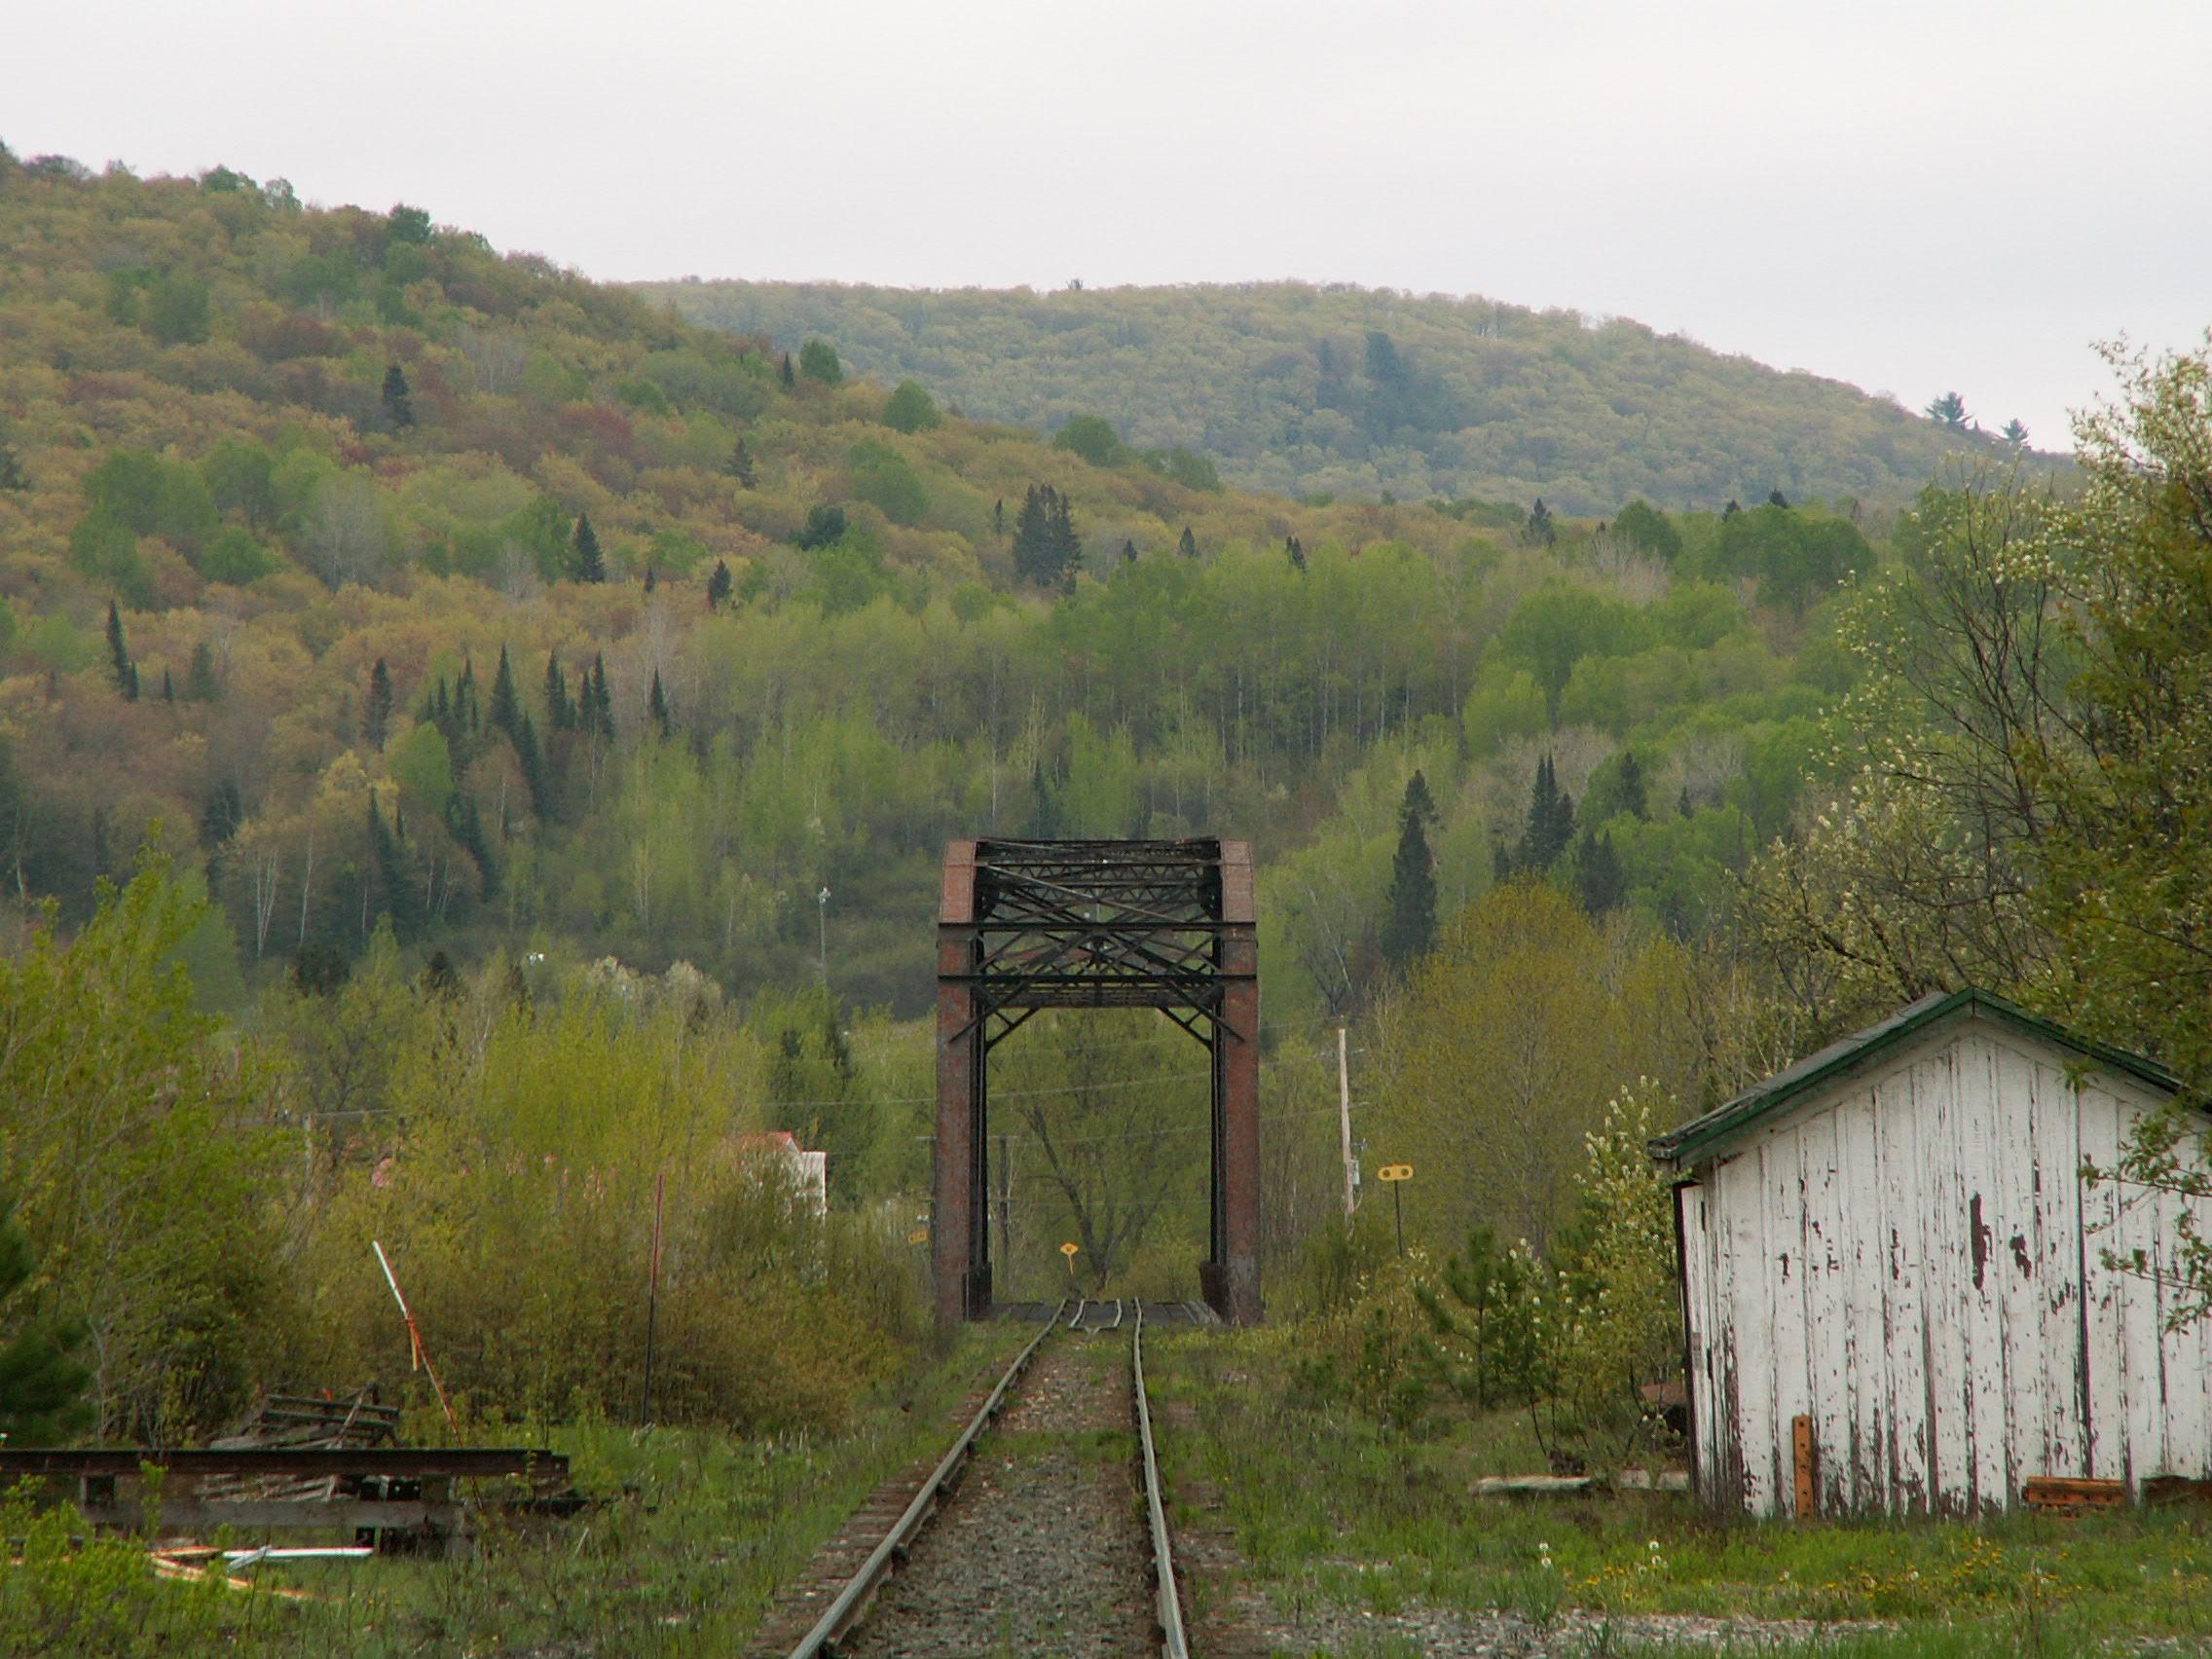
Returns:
point(1237, 1071)
point(959, 1054)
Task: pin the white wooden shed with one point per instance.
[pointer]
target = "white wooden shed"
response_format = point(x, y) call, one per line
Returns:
point(1892, 1240)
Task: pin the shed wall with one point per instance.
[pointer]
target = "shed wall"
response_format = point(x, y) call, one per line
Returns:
point(1910, 1258)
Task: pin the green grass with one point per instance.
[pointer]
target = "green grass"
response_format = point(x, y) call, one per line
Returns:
point(704, 1533)
point(1328, 1508)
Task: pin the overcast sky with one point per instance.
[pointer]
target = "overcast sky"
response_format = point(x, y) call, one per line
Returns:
point(1912, 197)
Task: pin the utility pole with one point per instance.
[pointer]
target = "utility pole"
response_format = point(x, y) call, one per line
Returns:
point(1344, 1121)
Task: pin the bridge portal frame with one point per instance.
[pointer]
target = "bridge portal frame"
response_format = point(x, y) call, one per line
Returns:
point(1024, 925)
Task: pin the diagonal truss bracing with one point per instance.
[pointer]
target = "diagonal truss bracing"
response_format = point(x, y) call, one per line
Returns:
point(1030, 925)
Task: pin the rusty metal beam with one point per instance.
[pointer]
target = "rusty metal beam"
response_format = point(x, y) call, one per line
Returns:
point(1029, 925)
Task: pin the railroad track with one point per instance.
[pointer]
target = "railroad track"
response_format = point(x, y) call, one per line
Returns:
point(1017, 1533)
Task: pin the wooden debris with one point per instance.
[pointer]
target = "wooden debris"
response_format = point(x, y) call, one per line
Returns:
point(2068, 1494)
point(1569, 1486)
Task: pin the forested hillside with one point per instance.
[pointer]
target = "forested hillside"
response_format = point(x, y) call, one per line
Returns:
point(1353, 392)
point(406, 582)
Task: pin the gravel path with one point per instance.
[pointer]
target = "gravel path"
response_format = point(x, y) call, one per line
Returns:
point(1041, 1550)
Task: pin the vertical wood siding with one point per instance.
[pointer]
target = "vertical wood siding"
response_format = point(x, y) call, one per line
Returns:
point(1910, 1258)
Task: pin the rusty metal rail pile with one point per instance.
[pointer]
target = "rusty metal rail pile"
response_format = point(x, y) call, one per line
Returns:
point(841, 1619)
point(386, 1491)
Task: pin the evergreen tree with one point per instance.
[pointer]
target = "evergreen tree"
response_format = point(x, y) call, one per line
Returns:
point(1776, 499)
point(13, 476)
point(652, 579)
point(506, 706)
point(560, 713)
point(398, 406)
point(223, 816)
point(467, 716)
point(589, 565)
point(394, 892)
point(2014, 433)
point(1187, 544)
point(1551, 820)
point(740, 464)
point(1628, 786)
point(719, 586)
point(788, 379)
point(1419, 800)
point(1295, 551)
point(656, 705)
point(601, 702)
point(467, 825)
point(1045, 547)
point(376, 708)
point(998, 516)
point(1730, 511)
point(117, 650)
point(1685, 805)
point(1598, 875)
point(169, 691)
point(1949, 411)
point(1409, 908)
point(1539, 530)
point(1129, 552)
point(130, 691)
point(200, 683)
point(42, 1385)
point(535, 775)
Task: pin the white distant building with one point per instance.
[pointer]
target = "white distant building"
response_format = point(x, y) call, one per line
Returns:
point(778, 1153)
point(1892, 1240)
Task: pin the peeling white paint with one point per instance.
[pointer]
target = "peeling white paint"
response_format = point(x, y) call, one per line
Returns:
point(1907, 1254)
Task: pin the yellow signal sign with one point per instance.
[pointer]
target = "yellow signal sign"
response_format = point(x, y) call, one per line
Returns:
point(1395, 1172)
point(920, 1236)
point(1069, 1249)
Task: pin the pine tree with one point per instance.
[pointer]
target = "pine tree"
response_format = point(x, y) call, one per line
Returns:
point(506, 706)
point(42, 1385)
point(656, 705)
point(998, 516)
point(535, 777)
point(1551, 820)
point(467, 825)
point(1295, 550)
point(740, 464)
point(1629, 785)
point(130, 690)
point(1776, 499)
point(1067, 546)
point(719, 586)
point(1129, 552)
point(1539, 530)
point(1409, 909)
point(200, 683)
point(788, 379)
point(1044, 538)
point(1598, 875)
point(117, 650)
point(398, 406)
point(652, 579)
point(560, 713)
point(395, 893)
point(590, 567)
point(376, 708)
point(1419, 800)
point(1188, 545)
point(467, 716)
point(601, 702)
point(223, 816)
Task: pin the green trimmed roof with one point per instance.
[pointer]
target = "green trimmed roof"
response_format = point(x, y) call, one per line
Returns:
point(1694, 1139)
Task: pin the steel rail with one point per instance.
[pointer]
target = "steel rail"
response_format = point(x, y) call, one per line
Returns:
point(853, 1599)
point(1167, 1605)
